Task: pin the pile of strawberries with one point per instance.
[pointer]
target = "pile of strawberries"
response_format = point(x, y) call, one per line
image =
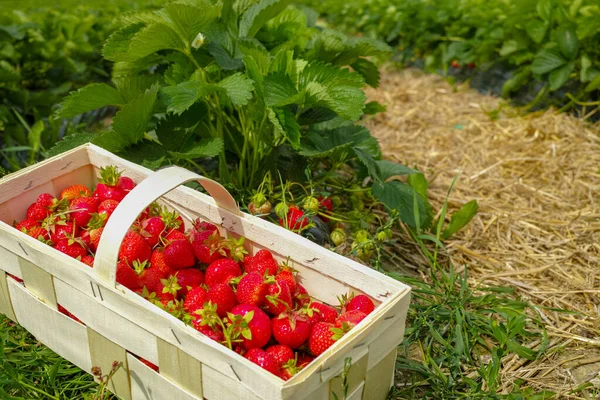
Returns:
point(249, 303)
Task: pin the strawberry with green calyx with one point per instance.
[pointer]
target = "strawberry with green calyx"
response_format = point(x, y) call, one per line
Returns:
point(127, 277)
point(60, 228)
point(150, 276)
point(322, 336)
point(221, 271)
point(215, 333)
point(195, 299)
point(263, 360)
point(82, 209)
point(350, 319)
point(360, 302)
point(223, 296)
point(175, 308)
point(179, 254)
point(25, 225)
point(107, 207)
point(134, 248)
point(262, 262)
point(286, 275)
point(158, 260)
point(300, 297)
point(252, 289)
point(172, 220)
point(363, 246)
point(170, 287)
point(153, 210)
point(259, 205)
point(208, 245)
point(338, 237)
point(107, 188)
point(296, 220)
point(291, 329)
point(235, 249)
point(151, 229)
point(325, 207)
point(249, 324)
point(281, 210)
point(46, 200)
point(311, 204)
point(39, 233)
point(281, 353)
point(278, 298)
point(75, 191)
point(188, 279)
point(71, 247)
point(288, 369)
point(319, 312)
point(38, 212)
point(126, 184)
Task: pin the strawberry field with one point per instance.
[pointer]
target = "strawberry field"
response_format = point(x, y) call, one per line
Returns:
point(296, 109)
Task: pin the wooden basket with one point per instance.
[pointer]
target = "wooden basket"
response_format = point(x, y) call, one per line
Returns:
point(118, 324)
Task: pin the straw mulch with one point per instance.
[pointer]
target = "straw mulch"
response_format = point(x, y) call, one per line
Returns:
point(535, 177)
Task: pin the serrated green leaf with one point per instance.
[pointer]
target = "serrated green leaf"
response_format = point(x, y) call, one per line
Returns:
point(536, 30)
point(189, 20)
point(285, 124)
point(223, 58)
point(202, 149)
point(130, 87)
point(329, 75)
point(560, 76)
point(152, 39)
point(566, 37)
point(136, 17)
point(70, 142)
point(117, 44)
point(461, 218)
point(593, 85)
point(181, 97)
point(370, 163)
point(509, 47)
point(368, 70)
point(547, 60)
point(544, 9)
point(146, 153)
point(255, 50)
point(419, 183)
point(361, 47)
point(399, 196)
point(259, 14)
point(278, 89)
point(88, 98)
point(238, 87)
point(175, 131)
point(389, 169)
point(320, 144)
point(374, 107)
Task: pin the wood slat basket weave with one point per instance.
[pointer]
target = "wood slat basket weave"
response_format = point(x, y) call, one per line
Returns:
point(118, 324)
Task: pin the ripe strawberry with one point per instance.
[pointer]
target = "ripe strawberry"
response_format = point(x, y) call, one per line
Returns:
point(127, 277)
point(252, 289)
point(263, 360)
point(63, 230)
point(37, 212)
point(322, 337)
point(75, 191)
point(134, 248)
point(262, 262)
point(107, 188)
point(215, 332)
point(281, 353)
point(174, 235)
point(151, 277)
point(296, 220)
point(289, 369)
point(179, 254)
point(252, 325)
point(107, 207)
point(172, 220)
point(158, 260)
point(39, 233)
point(95, 235)
point(304, 360)
point(222, 271)
point(326, 203)
point(66, 312)
point(88, 260)
point(149, 364)
point(71, 248)
point(81, 210)
point(208, 245)
point(195, 299)
point(291, 329)
point(301, 297)
point(26, 225)
point(322, 312)
point(351, 318)
point(278, 299)
point(152, 228)
point(360, 303)
point(223, 296)
point(126, 184)
point(188, 279)
point(455, 64)
point(46, 200)
point(288, 277)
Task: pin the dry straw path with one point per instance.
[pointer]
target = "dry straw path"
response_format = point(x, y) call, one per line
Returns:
point(536, 178)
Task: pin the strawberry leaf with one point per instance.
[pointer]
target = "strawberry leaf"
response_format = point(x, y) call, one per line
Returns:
point(88, 98)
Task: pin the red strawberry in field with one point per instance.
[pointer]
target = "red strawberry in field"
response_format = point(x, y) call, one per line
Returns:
point(263, 360)
point(134, 248)
point(37, 212)
point(107, 188)
point(188, 279)
point(26, 225)
point(213, 332)
point(127, 277)
point(82, 210)
point(179, 254)
point(262, 262)
point(360, 303)
point(39, 233)
point(278, 298)
point(222, 271)
point(195, 299)
point(88, 260)
point(252, 289)
point(126, 184)
point(322, 337)
point(71, 248)
point(75, 191)
point(107, 207)
point(251, 325)
point(291, 329)
point(326, 204)
point(158, 260)
point(281, 353)
point(223, 296)
point(301, 297)
point(295, 220)
point(288, 277)
point(152, 229)
point(322, 312)
point(350, 318)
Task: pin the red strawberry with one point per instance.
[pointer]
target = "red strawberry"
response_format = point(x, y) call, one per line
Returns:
point(223, 296)
point(107, 207)
point(208, 245)
point(455, 64)
point(158, 260)
point(66, 312)
point(149, 364)
point(291, 329)
point(296, 219)
point(351, 318)
point(288, 277)
point(188, 279)
point(281, 353)
point(63, 230)
point(126, 184)
point(95, 235)
point(322, 312)
point(152, 228)
point(71, 248)
point(263, 360)
point(151, 277)
point(82, 209)
point(179, 254)
point(215, 333)
point(252, 289)
point(107, 188)
point(301, 297)
point(174, 235)
point(304, 360)
point(134, 248)
point(322, 337)
point(75, 191)
point(195, 299)
point(46, 200)
point(361, 303)
point(326, 204)
point(278, 299)
point(37, 212)
point(88, 260)
point(172, 220)
point(37, 232)
point(26, 225)
point(254, 321)
point(262, 262)
point(222, 271)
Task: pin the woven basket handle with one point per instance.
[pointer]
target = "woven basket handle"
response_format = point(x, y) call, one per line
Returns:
point(150, 189)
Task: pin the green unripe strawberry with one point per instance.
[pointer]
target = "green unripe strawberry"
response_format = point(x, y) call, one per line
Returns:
point(281, 210)
point(336, 201)
point(311, 204)
point(384, 235)
point(357, 203)
point(362, 236)
point(338, 236)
